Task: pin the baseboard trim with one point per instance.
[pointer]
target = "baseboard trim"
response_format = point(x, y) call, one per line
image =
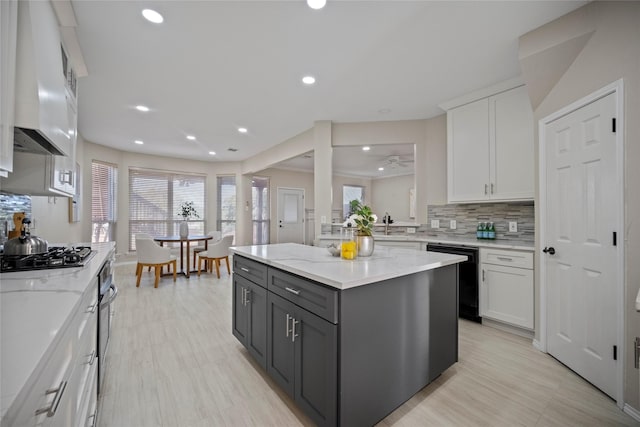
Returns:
point(631, 411)
point(508, 328)
point(538, 345)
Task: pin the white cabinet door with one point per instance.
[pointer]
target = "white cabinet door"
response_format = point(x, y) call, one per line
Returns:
point(511, 130)
point(8, 40)
point(507, 294)
point(468, 152)
point(490, 149)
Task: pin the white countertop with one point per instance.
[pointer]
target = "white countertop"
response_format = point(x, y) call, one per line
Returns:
point(317, 264)
point(34, 307)
point(497, 244)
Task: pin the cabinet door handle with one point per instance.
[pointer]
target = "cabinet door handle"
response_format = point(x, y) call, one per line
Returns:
point(92, 308)
point(243, 296)
point(504, 258)
point(492, 188)
point(287, 326)
point(293, 329)
point(92, 358)
point(246, 296)
point(293, 291)
point(483, 274)
point(486, 189)
point(246, 270)
point(92, 417)
point(51, 409)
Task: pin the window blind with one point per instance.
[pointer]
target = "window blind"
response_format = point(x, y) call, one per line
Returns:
point(104, 185)
point(155, 198)
point(226, 205)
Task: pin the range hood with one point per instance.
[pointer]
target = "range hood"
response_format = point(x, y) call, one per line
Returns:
point(41, 115)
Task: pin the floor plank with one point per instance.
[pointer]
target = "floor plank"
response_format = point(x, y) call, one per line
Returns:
point(174, 362)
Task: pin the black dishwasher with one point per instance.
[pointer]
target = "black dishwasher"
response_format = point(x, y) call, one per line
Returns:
point(467, 279)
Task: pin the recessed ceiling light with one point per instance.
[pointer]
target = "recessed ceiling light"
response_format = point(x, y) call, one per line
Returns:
point(242, 130)
point(213, 153)
point(152, 16)
point(316, 4)
point(137, 141)
point(384, 110)
point(308, 80)
point(143, 108)
point(191, 137)
point(380, 169)
point(366, 148)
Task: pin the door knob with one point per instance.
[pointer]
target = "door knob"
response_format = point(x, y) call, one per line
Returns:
point(550, 251)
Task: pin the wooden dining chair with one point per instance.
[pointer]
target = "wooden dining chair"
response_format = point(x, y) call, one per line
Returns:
point(216, 252)
point(150, 254)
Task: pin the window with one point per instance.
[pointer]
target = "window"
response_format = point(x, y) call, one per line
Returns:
point(349, 193)
point(104, 184)
point(155, 198)
point(227, 205)
point(260, 210)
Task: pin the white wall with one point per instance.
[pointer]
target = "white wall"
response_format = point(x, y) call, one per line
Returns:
point(612, 52)
point(392, 195)
point(51, 214)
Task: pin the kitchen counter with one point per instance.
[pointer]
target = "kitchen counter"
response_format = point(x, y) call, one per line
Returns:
point(35, 306)
point(318, 264)
point(520, 245)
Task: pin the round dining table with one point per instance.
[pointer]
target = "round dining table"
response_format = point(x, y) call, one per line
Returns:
point(184, 240)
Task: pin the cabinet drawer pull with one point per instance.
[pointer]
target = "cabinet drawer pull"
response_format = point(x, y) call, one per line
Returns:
point(504, 258)
point(293, 291)
point(51, 409)
point(92, 308)
point(246, 270)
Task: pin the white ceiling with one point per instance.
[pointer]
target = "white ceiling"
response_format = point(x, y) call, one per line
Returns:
point(215, 65)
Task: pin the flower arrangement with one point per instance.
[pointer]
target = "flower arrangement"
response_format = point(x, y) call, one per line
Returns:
point(361, 218)
point(187, 210)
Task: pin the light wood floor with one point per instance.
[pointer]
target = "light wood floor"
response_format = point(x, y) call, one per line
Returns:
point(174, 362)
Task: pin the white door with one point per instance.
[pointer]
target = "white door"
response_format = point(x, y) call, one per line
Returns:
point(581, 259)
point(290, 215)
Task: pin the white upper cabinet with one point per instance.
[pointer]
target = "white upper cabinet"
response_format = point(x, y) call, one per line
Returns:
point(490, 149)
point(40, 78)
point(8, 40)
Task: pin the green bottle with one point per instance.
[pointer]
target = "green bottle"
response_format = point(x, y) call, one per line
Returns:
point(480, 231)
point(485, 230)
point(492, 231)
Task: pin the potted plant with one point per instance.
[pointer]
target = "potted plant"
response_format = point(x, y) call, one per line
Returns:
point(186, 211)
point(363, 220)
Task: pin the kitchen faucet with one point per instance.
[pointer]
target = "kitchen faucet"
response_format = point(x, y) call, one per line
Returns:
point(385, 219)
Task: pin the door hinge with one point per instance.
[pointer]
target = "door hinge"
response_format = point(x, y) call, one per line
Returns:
point(613, 125)
point(615, 352)
point(615, 239)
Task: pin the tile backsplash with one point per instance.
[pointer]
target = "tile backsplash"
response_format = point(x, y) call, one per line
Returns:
point(467, 217)
point(9, 204)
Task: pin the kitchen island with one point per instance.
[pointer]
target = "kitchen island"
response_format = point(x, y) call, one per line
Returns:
point(348, 340)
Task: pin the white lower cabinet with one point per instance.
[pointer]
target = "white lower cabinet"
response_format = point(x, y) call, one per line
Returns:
point(506, 286)
point(64, 386)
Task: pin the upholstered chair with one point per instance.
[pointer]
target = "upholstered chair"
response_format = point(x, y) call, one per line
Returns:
point(215, 236)
point(150, 254)
point(216, 252)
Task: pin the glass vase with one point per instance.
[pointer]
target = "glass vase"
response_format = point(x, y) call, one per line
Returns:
point(348, 245)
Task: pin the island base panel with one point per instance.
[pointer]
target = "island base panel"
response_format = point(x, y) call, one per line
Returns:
point(396, 336)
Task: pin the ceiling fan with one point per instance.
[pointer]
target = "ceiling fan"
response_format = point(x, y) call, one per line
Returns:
point(394, 162)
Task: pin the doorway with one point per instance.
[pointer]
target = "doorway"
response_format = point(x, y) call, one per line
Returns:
point(290, 215)
point(581, 208)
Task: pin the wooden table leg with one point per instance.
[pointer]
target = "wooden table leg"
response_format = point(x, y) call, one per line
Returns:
point(181, 256)
point(188, 260)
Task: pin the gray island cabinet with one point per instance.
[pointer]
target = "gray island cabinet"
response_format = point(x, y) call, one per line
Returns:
point(349, 341)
